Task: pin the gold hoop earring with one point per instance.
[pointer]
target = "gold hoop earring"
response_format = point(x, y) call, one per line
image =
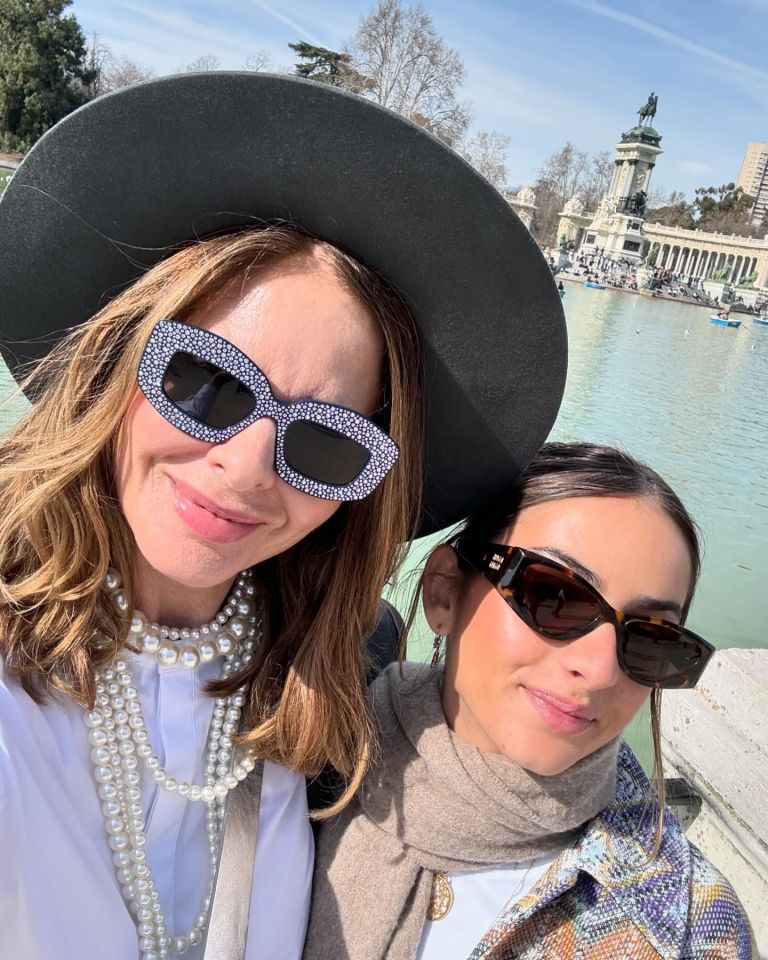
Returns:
point(436, 643)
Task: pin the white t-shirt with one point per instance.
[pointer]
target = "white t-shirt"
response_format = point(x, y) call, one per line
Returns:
point(479, 897)
point(59, 896)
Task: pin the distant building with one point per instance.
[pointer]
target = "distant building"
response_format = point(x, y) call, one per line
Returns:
point(753, 179)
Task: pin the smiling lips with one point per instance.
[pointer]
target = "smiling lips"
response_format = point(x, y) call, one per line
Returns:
point(207, 519)
point(562, 715)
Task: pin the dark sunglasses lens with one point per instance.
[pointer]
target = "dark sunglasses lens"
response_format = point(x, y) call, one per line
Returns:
point(323, 454)
point(657, 653)
point(558, 605)
point(206, 392)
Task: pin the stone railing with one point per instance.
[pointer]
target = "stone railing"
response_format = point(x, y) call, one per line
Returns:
point(715, 737)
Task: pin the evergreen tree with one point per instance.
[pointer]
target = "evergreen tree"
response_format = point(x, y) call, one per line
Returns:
point(43, 69)
point(320, 64)
point(327, 66)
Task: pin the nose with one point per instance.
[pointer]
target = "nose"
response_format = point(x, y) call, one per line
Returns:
point(592, 658)
point(248, 458)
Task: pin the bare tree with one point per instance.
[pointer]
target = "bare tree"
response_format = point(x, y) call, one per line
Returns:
point(208, 61)
point(409, 68)
point(257, 61)
point(487, 152)
point(597, 179)
point(99, 61)
point(124, 72)
point(564, 171)
point(110, 72)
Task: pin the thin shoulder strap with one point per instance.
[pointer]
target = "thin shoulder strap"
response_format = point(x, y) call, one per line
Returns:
point(228, 927)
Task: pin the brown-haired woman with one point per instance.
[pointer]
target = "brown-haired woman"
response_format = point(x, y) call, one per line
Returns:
point(505, 818)
point(200, 511)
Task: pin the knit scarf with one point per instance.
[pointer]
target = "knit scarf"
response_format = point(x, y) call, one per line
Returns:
point(433, 802)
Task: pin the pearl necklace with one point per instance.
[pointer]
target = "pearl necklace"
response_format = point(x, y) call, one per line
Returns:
point(198, 644)
point(119, 741)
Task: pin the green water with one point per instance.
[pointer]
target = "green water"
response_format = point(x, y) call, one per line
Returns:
point(660, 380)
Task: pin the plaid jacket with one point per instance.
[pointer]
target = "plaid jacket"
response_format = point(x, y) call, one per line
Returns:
point(598, 901)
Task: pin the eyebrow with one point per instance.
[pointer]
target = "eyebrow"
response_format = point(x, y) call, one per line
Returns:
point(573, 563)
point(654, 605)
point(645, 603)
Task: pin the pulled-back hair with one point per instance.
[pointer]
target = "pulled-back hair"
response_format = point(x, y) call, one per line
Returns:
point(561, 471)
point(62, 527)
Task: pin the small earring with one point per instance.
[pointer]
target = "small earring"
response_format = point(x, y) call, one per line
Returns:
point(436, 650)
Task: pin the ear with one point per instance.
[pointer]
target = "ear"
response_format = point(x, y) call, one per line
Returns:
point(440, 593)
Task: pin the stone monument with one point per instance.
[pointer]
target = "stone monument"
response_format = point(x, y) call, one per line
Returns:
point(617, 227)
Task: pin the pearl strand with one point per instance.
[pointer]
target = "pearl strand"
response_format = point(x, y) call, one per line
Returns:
point(187, 646)
point(119, 740)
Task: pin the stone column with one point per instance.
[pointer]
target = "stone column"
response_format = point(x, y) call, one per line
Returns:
point(716, 738)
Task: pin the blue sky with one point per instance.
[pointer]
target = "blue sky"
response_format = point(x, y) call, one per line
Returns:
point(541, 71)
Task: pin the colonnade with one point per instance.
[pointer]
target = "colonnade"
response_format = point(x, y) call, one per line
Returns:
point(702, 264)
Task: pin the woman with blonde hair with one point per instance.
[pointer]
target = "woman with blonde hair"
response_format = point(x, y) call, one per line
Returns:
point(249, 278)
point(505, 818)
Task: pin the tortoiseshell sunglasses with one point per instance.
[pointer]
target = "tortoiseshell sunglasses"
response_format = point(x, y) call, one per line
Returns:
point(559, 604)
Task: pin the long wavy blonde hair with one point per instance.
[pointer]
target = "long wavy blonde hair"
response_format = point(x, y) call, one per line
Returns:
point(61, 525)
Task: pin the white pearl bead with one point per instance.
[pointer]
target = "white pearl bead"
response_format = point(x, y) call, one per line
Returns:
point(189, 657)
point(151, 640)
point(238, 627)
point(100, 755)
point(208, 794)
point(168, 654)
point(208, 651)
point(112, 580)
point(120, 598)
point(246, 607)
point(103, 774)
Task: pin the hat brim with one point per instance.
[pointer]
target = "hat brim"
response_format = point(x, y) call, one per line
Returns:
point(117, 184)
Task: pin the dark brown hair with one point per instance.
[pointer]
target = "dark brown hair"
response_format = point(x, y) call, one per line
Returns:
point(562, 471)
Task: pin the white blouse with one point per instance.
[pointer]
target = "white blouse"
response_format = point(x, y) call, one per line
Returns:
point(479, 896)
point(59, 896)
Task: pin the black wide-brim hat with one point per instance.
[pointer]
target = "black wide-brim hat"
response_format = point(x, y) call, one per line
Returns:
point(122, 182)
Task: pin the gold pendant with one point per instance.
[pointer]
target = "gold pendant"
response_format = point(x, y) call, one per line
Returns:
point(441, 898)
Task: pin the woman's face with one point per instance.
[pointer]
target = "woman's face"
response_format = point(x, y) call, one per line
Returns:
point(201, 512)
point(505, 684)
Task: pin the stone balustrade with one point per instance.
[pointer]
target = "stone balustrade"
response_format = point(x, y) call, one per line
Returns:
point(716, 738)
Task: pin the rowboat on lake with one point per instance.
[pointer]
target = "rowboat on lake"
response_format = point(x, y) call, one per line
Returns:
point(723, 322)
point(594, 286)
point(761, 320)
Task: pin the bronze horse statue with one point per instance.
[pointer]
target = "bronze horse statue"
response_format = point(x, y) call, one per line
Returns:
point(648, 110)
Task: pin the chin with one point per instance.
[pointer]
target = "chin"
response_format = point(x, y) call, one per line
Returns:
point(191, 564)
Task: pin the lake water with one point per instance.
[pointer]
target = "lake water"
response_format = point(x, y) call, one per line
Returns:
point(658, 379)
